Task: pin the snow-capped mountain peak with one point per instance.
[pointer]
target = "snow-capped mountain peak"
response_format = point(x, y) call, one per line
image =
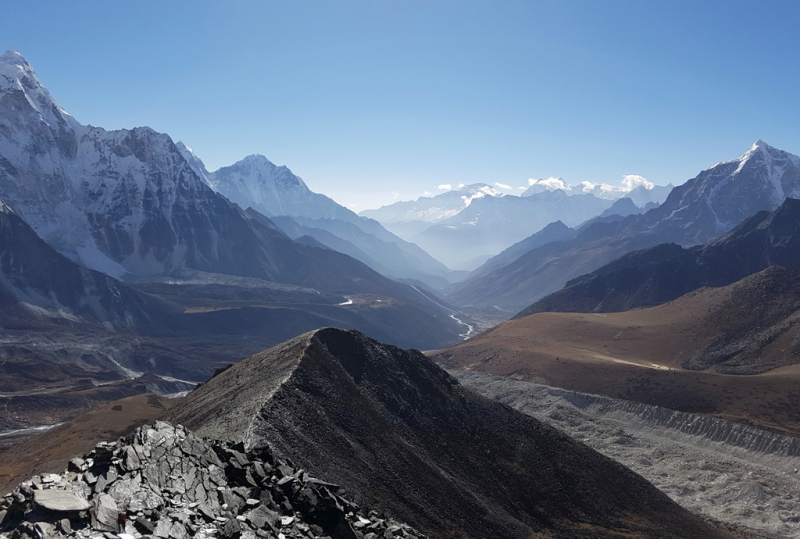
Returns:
point(273, 190)
point(14, 66)
point(546, 184)
point(760, 150)
point(264, 171)
point(776, 164)
point(20, 85)
point(729, 192)
point(628, 184)
point(769, 153)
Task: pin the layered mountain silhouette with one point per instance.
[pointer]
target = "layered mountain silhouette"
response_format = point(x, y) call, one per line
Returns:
point(491, 223)
point(274, 191)
point(465, 226)
point(702, 209)
point(665, 272)
point(399, 434)
point(553, 232)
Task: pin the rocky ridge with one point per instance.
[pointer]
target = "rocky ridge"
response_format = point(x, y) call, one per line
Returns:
point(165, 482)
point(356, 411)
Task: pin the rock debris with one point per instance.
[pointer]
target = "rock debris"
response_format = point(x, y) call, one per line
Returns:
point(162, 481)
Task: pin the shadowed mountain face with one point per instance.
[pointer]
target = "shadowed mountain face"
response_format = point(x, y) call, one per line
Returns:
point(665, 272)
point(66, 327)
point(39, 286)
point(556, 231)
point(459, 465)
point(694, 213)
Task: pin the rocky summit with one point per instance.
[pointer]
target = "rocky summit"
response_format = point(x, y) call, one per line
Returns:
point(402, 436)
point(163, 481)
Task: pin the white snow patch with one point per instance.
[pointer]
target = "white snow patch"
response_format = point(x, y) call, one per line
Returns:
point(30, 430)
point(91, 257)
point(50, 313)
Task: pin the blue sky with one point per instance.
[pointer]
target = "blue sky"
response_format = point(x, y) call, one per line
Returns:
point(364, 99)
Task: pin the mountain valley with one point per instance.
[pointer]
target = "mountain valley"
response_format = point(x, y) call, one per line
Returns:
point(622, 361)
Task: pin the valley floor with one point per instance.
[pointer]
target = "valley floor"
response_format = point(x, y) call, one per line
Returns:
point(739, 475)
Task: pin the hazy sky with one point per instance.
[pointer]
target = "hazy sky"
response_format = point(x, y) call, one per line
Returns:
point(372, 100)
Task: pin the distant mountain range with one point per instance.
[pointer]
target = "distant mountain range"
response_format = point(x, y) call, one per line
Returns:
point(638, 189)
point(490, 224)
point(465, 227)
point(255, 182)
point(694, 213)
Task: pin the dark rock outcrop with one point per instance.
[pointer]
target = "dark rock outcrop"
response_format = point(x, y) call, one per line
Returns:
point(164, 481)
point(403, 436)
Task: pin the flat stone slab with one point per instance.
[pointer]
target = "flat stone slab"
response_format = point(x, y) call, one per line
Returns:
point(60, 500)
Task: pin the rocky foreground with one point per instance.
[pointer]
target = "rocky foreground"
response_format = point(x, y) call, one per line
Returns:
point(165, 482)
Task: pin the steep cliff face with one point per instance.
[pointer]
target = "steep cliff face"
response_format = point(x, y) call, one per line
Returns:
point(357, 411)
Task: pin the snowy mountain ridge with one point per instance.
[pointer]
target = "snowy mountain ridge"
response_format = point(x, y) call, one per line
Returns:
point(132, 203)
point(433, 209)
point(120, 202)
point(778, 163)
point(725, 194)
point(273, 190)
point(447, 205)
point(638, 188)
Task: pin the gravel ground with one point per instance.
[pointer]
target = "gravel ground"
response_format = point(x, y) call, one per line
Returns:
point(732, 473)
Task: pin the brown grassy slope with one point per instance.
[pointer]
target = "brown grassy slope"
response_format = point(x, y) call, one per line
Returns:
point(645, 355)
point(50, 451)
